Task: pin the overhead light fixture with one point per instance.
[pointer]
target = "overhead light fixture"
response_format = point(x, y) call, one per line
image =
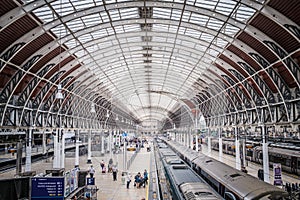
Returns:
point(59, 94)
point(117, 118)
point(93, 109)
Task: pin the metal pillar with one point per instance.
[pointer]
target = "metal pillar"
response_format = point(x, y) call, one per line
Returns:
point(110, 138)
point(265, 153)
point(56, 159)
point(19, 158)
point(62, 149)
point(102, 144)
point(196, 143)
point(209, 142)
point(76, 148)
point(237, 148)
point(124, 156)
point(220, 145)
point(89, 160)
point(44, 144)
point(28, 150)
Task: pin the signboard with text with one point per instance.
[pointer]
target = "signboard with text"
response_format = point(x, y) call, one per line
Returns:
point(47, 188)
point(277, 174)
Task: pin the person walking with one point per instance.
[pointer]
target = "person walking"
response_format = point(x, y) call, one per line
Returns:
point(92, 171)
point(114, 172)
point(128, 180)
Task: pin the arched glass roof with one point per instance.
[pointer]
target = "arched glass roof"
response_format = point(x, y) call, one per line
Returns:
point(148, 57)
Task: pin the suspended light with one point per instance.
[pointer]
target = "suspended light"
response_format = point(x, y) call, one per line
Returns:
point(93, 109)
point(107, 114)
point(59, 94)
point(117, 118)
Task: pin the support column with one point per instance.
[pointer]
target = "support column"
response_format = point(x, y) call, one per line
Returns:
point(244, 153)
point(265, 153)
point(191, 139)
point(89, 160)
point(44, 144)
point(209, 141)
point(28, 150)
point(76, 148)
point(102, 144)
point(110, 138)
point(220, 145)
point(62, 149)
point(56, 160)
point(237, 148)
point(124, 156)
point(196, 143)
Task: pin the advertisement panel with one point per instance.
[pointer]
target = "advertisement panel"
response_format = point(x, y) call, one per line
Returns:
point(277, 174)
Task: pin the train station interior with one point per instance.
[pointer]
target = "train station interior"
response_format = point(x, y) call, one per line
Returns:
point(147, 86)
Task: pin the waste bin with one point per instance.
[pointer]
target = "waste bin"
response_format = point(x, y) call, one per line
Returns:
point(124, 174)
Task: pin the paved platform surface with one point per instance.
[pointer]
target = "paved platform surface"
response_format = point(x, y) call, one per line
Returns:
point(108, 189)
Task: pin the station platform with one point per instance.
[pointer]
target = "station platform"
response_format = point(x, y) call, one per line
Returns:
point(251, 167)
point(108, 189)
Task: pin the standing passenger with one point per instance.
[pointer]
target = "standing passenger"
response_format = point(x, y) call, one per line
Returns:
point(128, 180)
point(92, 171)
point(114, 172)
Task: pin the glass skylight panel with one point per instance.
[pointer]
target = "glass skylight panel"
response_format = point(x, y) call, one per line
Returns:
point(160, 27)
point(63, 7)
point(182, 30)
point(199, 19)
point(192, 33)
point(71, 43)
point(131, 27)
point(206, 37)
point(92, 19)
point(214, 24)
point(119, 29)
point(244, 13)
point(208, 4)
point(128, 13)
point(133, 39)
point(104, 16)
point(100, 33)
point(114, 14)
point(186, 16)
point(45, 14)
point(161, 13)
point(225, 6)
point(85, 38)
point(220, 42)
point(59, 30)
point(230, 30)
point(176, 14)
point(82, 4)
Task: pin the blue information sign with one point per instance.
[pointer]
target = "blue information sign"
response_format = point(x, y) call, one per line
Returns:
point(47, 188)
point(90, 181)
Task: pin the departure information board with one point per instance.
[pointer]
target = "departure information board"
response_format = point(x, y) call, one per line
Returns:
point(47, 188)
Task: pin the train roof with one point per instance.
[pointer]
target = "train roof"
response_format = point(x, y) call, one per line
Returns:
point(182, 174)
point(236, 180)
point(198, 191)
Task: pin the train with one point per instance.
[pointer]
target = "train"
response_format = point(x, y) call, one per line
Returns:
point(230, 183)
point(284, 153)
point(184, 183)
